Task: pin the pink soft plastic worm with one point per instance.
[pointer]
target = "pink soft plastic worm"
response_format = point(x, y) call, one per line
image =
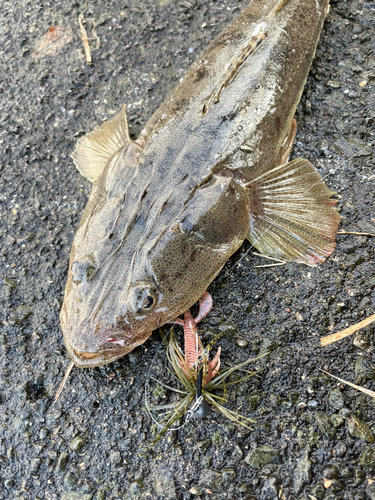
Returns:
point(193, 344)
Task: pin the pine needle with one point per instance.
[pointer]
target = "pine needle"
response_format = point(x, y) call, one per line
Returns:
point(67, 373)
point(278, 261)
point(358, 387)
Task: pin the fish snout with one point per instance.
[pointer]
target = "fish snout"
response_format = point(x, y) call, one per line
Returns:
point(95, 346)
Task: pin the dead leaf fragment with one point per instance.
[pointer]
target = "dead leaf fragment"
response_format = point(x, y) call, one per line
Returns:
point(327, 483)
point(56, 38)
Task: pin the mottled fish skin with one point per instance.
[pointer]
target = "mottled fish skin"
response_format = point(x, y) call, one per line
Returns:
point(168, 211)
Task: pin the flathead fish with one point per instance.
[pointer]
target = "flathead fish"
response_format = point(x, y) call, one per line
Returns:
point(209, 170)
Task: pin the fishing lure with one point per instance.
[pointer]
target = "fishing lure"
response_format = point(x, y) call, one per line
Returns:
point(199, 377)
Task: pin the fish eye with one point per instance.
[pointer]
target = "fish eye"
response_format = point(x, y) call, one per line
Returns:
point(83, 269)
point(148, 303)
point(143, 298)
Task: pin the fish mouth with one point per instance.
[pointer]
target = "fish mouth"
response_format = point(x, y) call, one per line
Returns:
point(115, 349)
point(109, 349)
point(89, 359)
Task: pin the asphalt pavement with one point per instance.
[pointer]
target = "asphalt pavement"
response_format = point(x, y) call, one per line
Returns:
point(313, 437)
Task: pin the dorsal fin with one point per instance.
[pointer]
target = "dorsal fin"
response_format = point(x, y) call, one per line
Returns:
point(95, 149)
point(258, 35)
point(256, 38)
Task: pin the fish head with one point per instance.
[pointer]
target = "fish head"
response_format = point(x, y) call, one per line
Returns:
point(102, 322)
point(164, 251)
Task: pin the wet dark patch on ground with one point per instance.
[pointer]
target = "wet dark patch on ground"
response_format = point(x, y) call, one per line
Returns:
point(312, 436)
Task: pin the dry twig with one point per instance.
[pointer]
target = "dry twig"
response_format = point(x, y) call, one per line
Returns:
point(330, 339)
point(355, 232)
point(85, 39)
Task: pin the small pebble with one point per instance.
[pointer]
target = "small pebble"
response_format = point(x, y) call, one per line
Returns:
point(43, 433)
point(367, 458)
point(115, 457)
point(70, 480)
point(9, 483)
point(318, 491)
point(302, 472)
point(196, 490)
point(359, 476)
point(62, 461)
point(136, 487)
point(228, 328)
point(334, 84)
point(336, 420)
point(357, 428)
point(77, 443)
point(164, 484)
point(261, 456)
point(271, 487)
point(35, 464)
point(340, 449)
point(241, 342)
point(335, 399)
point(370, 492)
point(329, 471)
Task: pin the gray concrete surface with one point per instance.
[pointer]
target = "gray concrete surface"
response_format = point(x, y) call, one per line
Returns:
point(94, 443)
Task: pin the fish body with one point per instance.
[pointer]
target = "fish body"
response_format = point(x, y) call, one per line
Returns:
point(210, 169)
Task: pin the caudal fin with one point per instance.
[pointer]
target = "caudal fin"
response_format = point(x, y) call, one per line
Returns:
point(291, 214)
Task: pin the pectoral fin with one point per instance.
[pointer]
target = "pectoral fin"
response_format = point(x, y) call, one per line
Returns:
point(95, 149)
point(291, 214)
